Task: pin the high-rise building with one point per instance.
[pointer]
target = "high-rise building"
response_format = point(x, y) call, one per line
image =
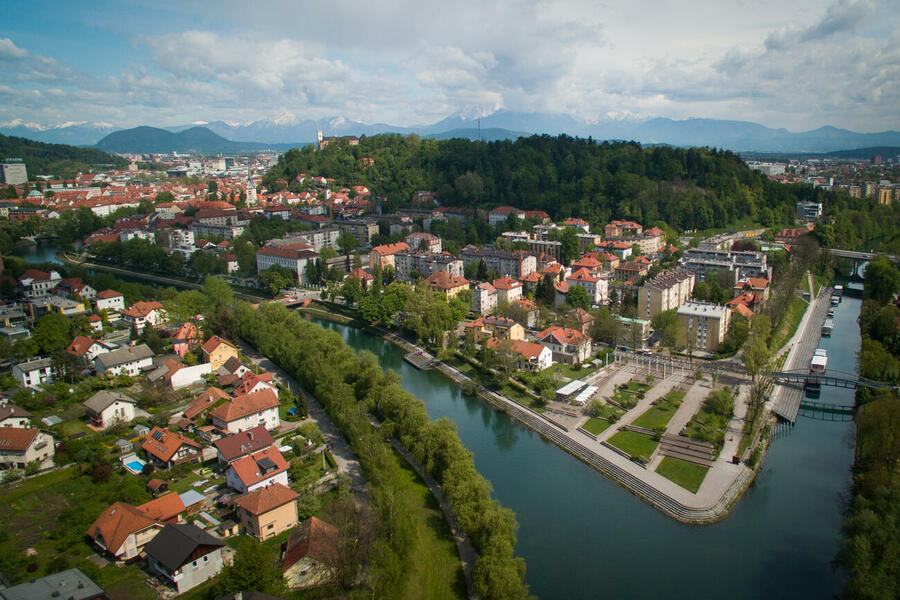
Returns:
point(702, 326)
point(14, 171)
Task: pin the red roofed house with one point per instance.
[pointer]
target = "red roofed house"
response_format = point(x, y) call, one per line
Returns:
point(383, 255)
point(578, 224)
point(109, 300)
point(257, 470)
point(234, 446)
point(364, 277)
point(185, 339)
point(756, 285)
point(508, 289)
point(597, 287)
point(123, 530)
point(22, 445)
point(529, 313)
point(247, 411)
point(217, 351)
point(310, 554)
point(87, 348)
point(75, 287)
point(168, 449)
point(252, 382)
point(204, 401)
point(164, 509)
point(528, 356)
point(451, 285)
point(140, 314)
point(484, 299)
point(38, 283)
point(568, 345)
point(582, 318)
point(267, 511)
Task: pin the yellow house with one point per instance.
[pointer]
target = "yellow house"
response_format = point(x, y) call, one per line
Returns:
point(217, 351)
point(268, 511)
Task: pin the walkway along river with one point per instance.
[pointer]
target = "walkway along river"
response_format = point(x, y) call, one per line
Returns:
point(585, 537)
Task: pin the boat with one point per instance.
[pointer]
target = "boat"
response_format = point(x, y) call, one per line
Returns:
point(817, 366)
point(836, 294)
point(827, 327)
point(830, 311)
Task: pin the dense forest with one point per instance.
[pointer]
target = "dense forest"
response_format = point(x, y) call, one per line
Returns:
point(693, 188)
point(58, 160)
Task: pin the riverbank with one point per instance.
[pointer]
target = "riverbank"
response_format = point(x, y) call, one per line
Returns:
point(722, 488)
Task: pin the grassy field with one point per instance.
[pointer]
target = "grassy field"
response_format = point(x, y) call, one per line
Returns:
point(570, 371)
point(686, 474)
point(789, 323)
point(435, 570)
point(635, 444)
point(657, 415)
point(596, 426)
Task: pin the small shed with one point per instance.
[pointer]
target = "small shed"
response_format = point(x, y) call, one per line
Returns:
point(157, 487)
point(123, 445)
point(227, 528)
point(193, 501)
point(141, 430)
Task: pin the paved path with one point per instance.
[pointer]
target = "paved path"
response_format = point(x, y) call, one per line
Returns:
point(340, 449)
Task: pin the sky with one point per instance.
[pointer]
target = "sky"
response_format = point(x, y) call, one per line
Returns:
point(797, 64)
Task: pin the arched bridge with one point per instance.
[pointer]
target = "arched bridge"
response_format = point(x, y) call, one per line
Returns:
point(832, 377)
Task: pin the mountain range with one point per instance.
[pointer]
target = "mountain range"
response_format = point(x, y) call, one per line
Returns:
point(288, 129)
point(195, 140)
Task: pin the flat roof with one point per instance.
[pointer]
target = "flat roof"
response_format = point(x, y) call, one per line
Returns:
point(68, 584)
point(572, 387)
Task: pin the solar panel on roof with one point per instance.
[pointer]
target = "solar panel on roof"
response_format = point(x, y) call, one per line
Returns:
point(158, 436)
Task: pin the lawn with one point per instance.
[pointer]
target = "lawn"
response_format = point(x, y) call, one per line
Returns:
point(684, 473)
point(596, 426)
point(657, 415)
point(570, 371)
point(634, 443)
point(712, 430)
point(435, 571)
point(789, 323)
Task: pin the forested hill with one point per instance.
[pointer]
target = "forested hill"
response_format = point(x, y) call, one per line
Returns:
point(59, 160)
point(696, 188)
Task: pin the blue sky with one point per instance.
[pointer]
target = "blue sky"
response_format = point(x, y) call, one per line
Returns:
point(794, 64)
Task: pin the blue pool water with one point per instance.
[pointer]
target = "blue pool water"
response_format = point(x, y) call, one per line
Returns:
point(135, 466)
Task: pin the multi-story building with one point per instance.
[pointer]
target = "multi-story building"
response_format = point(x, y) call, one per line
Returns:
point(484, 299)
point(634, 332)
point(508, 290)
point(22, 445)
point(702, 326)
point(668, 290)
point(129, 361)
point(362, 229)
point(37, 284)
point(444, 282)
point(405, 262)
point(266, 512)
point(596, 286)
point(247, 411)
point(739, 263)
point(33, 373)
point(516, 264)
point(423, 242)
point(293, 259)
point(326, 237)
point(383, 255)
point(141, 314)
point(618, 229)
point(14, 171)
point(808, 211)
point(567, 345)
point(109, 300)
point(501, 214)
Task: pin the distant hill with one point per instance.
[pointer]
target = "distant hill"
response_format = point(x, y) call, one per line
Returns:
point(55, 159)
point(867, 153)
point(196, 140)
point(488, 135)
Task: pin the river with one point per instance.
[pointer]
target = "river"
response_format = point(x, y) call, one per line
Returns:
point(583, 536)
point(40, 253)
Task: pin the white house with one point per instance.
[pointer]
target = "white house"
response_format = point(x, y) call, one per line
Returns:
point(484, 299)
point(247, 411)
point(293, 259)
point(107, 409)
point(596, 286)
point(257, 470)
point(141, 314)
point(109, 300)
point(22, 445)
point(87, 349)
point(33, 373)
point(528, 356)
point(14, 416)
point(185, 556)
point(38, 283)
point(129, 361)
point(187, 376)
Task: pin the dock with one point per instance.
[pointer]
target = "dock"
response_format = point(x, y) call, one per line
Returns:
point(420, 360)
point(789, 395)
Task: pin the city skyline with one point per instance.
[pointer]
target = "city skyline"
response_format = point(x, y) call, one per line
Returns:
point(799, 67)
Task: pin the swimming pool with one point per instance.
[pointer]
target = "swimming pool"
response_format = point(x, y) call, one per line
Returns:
point(134, 465)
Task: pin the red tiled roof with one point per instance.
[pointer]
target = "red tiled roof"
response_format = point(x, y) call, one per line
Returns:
point(246, 442)
point(390, 249)
point(261, 501)
point(248, 471)
point(167, 445)
point(141, 309)
point(247, 404)
point(17, 438)
point(117, 522)
point(582, 275)
point(314, 538)
point(214, 342)
point(80, 345)
point(204, 401)
point(562, 335)
point(445, 281)
point(164, 508)
point(506, 283)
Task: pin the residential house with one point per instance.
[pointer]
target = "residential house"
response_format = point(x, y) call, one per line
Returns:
point(508, 290)
point(166, 508)
point(255, 382)
point(363, 277)
point(247, 411)
point(501, 214)
point(168, 449)
point(71, 584)
point(234, 446)
point(759, 286)
point(129, 361)
point(444, 282)
point(110, 301)
point(484, 299)
point(266, 512)
point(231, 263)
point(37, 284)
point(596, 286)
point(568, 345)
point(580, 319)
point(203, 402)
point(383, 256)
point(702, 326)
point(185, 556)
point(186, 337)
point(217, 351)
point(423, 242)
point(87, 349)
point(33, 373)
point(631, 270)
point(528, 356)
point(618, 229)
point(634, 332)
point(22, 445)
point(257, 470)
point(525, 312)
point(14, 416)
point(107, 409)
point(667, 291)
point(309, 556)
point(75, 287)
point(141, 314)
point(123, 530)
point(293, 259)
